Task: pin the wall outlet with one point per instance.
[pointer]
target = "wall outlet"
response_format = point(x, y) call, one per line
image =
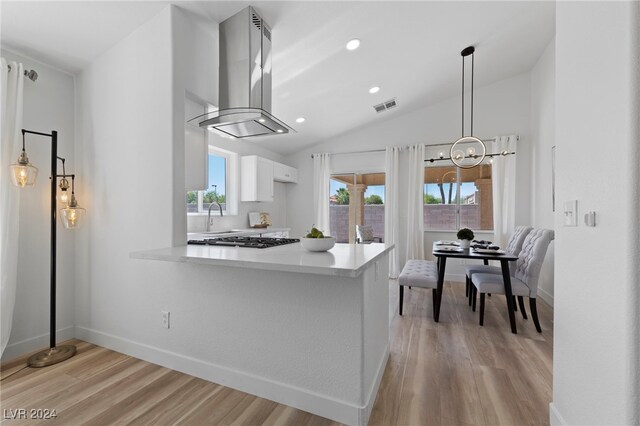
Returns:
point(166, 319)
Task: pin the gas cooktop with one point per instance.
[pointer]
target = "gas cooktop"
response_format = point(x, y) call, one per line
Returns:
point(251, 242)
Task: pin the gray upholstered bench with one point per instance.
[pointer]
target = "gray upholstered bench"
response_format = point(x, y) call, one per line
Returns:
point(418, 273)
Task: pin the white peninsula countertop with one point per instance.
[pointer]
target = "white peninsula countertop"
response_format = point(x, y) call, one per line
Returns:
point(347, 260)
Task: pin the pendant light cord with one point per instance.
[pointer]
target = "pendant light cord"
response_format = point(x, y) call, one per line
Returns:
point(14, 373)
point(472, 74)
point(464, 54)
point(462, 135)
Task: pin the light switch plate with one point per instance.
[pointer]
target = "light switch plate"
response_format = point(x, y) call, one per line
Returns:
point(571, 213)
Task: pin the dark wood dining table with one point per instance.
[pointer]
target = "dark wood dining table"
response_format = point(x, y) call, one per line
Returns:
point(504, 260)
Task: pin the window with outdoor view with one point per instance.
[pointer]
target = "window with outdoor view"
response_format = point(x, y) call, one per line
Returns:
point(218, 183)
point(455, 198)
point(356, 207)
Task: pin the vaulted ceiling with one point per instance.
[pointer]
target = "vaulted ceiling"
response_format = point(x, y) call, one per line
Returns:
point(411, 50)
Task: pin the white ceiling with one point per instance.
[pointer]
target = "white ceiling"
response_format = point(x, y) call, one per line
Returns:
point(410, 49)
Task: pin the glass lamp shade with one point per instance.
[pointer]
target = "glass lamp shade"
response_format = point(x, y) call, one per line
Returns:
point(457, 155)
point(468, 152)
point(72, 217)
point(64, 197)
point(23, 174)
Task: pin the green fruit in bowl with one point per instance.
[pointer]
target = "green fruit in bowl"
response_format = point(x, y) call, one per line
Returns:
point(315, 233)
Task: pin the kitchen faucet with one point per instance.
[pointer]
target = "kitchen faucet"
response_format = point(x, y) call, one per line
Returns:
point(215, 187)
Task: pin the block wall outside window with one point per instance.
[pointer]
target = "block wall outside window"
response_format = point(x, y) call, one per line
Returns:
point(444, 209)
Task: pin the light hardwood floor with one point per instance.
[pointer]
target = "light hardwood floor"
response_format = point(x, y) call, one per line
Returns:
point(451, 373)
point(457, 373)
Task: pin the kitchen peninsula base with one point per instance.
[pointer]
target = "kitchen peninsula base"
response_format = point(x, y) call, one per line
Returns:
point(313, 335)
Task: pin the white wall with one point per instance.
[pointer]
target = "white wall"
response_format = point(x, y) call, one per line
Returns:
point(500, 109)
point(126, 152)
point(543, 137)
point(194, 59)
point(596, 365)
point(48, 105)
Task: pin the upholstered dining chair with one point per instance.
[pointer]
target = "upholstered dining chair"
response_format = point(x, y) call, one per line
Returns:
point(364, 233)
point(513, 247)
point(524, 279)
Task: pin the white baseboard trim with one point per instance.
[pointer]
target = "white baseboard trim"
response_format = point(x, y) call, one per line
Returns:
point(373, 392)
point(555, 419)
point(546, 296)
point(282, 393)
point(32, 344)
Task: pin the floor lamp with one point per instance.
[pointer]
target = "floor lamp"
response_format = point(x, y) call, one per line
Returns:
point(24, 174)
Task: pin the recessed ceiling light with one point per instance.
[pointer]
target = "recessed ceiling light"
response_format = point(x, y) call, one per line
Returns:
point(374, 89)
point(300, 120)
point(279, 130)
point(261, 120)
point(353, 44)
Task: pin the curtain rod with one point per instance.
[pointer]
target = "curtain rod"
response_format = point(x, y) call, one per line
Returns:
point(495, 154)
point(30, 74)
point(406, 146)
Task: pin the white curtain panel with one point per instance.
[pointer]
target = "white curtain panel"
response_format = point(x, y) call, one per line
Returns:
point(10, 146)
point(392, 206)
point(321, 176)
point(503, 176)
point(415, 202)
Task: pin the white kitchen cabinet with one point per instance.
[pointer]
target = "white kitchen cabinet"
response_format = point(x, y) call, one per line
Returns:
point(256, 179)
point(284, 173)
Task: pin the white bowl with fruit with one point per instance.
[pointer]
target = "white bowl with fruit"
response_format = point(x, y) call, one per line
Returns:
point(315, 240)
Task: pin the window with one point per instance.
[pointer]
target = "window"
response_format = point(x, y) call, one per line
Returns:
point(455, 198)
point(221, 187)
point(356, 200)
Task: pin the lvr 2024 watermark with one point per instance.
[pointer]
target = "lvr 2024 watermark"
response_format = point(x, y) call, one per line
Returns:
point(33, 413)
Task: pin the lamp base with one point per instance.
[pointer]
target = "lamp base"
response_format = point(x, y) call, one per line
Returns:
point(51, 356)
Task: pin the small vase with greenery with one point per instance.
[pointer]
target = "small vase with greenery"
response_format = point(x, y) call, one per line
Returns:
point(465, 235)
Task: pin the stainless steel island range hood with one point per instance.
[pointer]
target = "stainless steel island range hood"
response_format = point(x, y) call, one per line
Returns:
point(245, 80)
